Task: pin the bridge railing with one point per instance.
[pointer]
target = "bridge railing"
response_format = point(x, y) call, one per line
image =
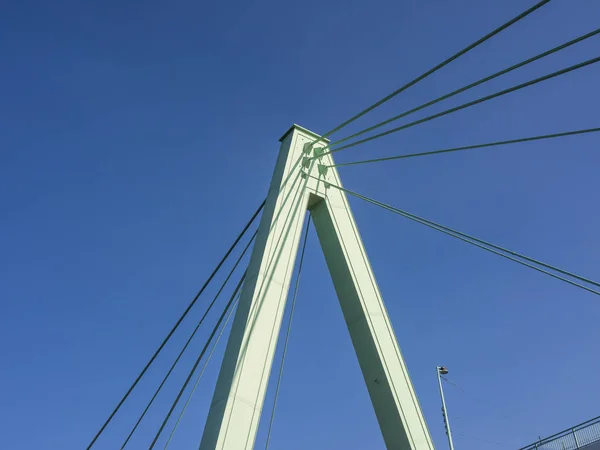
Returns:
point(573, 438)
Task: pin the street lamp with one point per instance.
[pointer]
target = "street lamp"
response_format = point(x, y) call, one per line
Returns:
point(441, 370)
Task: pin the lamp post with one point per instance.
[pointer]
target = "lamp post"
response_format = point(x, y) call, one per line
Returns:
point(441, 370)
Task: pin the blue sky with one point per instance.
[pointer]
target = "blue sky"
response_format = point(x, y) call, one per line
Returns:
point(137, 138)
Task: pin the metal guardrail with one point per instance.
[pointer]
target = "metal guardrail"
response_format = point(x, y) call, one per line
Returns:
point(573, 438)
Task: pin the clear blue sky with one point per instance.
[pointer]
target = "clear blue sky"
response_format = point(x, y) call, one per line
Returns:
point(137, 137)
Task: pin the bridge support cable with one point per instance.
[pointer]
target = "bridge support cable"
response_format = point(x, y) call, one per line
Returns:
point(469, 86)
point(193, 370)
point(287, 334)
point(199, 377)
point(435, 69)
point(465, 105)
point(508, 254)
point(210, 306)
point(185, 313)
point(468, 147)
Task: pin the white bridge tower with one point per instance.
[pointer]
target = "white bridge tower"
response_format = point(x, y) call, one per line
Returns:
point(300, 183)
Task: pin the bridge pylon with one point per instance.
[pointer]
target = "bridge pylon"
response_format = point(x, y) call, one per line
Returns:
point(302, 181)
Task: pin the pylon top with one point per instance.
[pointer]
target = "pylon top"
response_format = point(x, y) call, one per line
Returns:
point(298, 127)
